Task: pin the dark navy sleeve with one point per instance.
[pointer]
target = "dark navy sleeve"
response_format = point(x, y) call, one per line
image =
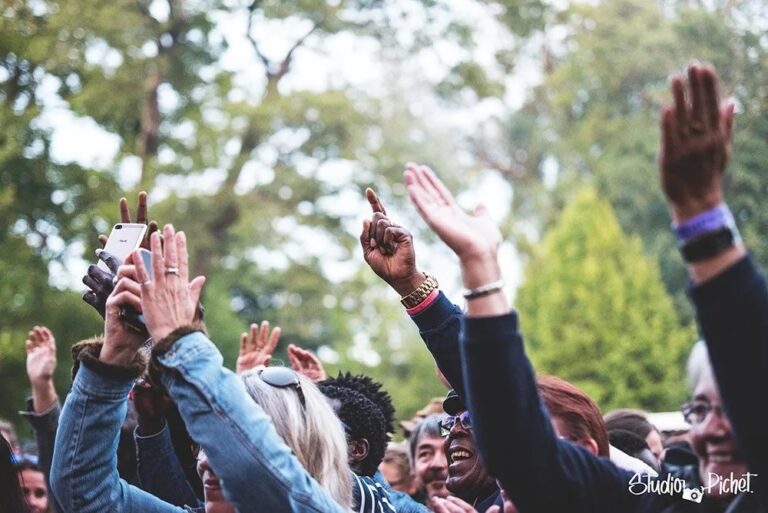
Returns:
point(732, 310)
point(439, 326)
point(539, 471)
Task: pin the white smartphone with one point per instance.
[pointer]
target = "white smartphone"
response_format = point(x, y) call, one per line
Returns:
point(125, 237)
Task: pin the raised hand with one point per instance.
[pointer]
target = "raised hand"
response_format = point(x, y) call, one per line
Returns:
point(388, 249)
point(695, 143)
point(41, 355)
point(306, 363)
point(469, 236)
point(141, 217)
point(121, 343)
point(257, 346)
point(100, 282)
point(168, 301)
point(41, 364)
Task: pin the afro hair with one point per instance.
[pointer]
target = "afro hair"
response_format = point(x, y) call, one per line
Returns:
point(373, 390)
point(363, 419)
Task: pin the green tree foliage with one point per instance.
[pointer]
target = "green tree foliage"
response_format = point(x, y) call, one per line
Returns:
point(261, 174)
point(594, 311)
point(595, 115)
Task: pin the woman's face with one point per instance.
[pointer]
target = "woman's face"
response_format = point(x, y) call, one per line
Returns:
point(214, 497)
point(712, 438)
point(35, 490)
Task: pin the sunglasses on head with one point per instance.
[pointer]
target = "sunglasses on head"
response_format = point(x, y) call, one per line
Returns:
point(464, 419)
point(282, 377)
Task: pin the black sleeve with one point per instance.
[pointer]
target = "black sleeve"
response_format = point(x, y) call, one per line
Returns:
point(517, 442)
point(439, 326)
point(732, 310)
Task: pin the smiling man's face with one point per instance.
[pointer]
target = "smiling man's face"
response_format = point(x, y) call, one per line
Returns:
point(430, 466)
point(467, 478)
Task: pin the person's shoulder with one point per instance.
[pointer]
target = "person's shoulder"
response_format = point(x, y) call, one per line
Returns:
point(372, 496)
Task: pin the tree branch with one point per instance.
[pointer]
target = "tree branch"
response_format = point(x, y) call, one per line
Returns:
point(274, 71)
point(511, 171)
point(263, 58)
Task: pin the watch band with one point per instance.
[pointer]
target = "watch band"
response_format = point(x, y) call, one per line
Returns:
point(421, 293)
point(708, 245)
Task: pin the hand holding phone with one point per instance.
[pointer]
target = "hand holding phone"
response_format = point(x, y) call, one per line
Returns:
point(124, 238)
point(130, 316)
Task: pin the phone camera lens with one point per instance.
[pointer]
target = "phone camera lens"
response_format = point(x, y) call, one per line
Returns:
point(118, 227)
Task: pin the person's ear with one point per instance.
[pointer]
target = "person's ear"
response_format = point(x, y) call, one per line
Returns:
point(358, 449)
point(591, 445)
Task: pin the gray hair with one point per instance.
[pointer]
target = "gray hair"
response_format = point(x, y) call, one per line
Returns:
point(312, 431)
point(429, 427)
point(699, 365)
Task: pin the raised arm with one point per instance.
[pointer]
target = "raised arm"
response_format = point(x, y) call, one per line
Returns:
point(43, 408)
point(539, 471)
point(257, 470)
point(158, 467)
point(389, 251)
point(729, 293)
point(84, 474)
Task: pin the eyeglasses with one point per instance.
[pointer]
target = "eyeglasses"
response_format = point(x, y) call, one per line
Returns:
point(282, 377)
point(464, 419)
point(696, 412)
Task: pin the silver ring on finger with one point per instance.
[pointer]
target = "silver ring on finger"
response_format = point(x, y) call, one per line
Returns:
point(145, 283)
point(172, 270)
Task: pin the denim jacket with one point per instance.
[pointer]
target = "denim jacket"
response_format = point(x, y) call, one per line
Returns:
point(257, 470)
point(159, 470)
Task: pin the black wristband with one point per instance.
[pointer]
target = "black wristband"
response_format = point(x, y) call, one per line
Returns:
point(708, 245)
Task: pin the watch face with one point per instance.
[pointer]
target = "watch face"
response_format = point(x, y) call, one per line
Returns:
point(709, 245)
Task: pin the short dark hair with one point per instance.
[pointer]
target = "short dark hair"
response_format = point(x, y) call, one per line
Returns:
point(27, 464)
point(629, 420)
point(363, 419)
point(373, 390)
point(627, 441)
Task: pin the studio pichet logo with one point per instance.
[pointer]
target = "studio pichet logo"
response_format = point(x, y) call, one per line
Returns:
point(718, 484)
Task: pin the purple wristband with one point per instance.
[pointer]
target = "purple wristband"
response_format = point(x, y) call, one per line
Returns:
point(706, 222)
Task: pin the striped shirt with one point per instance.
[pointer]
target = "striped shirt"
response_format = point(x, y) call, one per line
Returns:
point(368, 496)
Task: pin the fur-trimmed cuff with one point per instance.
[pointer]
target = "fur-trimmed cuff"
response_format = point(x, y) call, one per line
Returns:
point(163, 346)
point(88, 352)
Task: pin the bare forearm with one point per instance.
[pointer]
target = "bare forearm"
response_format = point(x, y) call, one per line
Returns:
point(43, 395)
point(480, 271)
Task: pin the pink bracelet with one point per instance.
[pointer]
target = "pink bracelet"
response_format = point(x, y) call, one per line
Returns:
point(424, 304)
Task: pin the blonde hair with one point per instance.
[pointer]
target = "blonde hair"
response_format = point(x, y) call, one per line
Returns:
point(312, 431)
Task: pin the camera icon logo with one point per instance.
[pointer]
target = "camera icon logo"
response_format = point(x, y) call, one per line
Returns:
point(693, 494)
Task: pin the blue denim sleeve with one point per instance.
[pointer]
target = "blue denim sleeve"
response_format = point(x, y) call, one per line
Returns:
point(439, 326)
point(258, 472)
point(84, 475)
point(732, 310)
point(159, 469)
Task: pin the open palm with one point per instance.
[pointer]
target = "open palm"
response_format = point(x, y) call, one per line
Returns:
point(467, 235)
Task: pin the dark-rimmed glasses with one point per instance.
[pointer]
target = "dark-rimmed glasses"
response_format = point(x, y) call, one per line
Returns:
point(464, 419)
point(282, 377)
point(697, 411)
